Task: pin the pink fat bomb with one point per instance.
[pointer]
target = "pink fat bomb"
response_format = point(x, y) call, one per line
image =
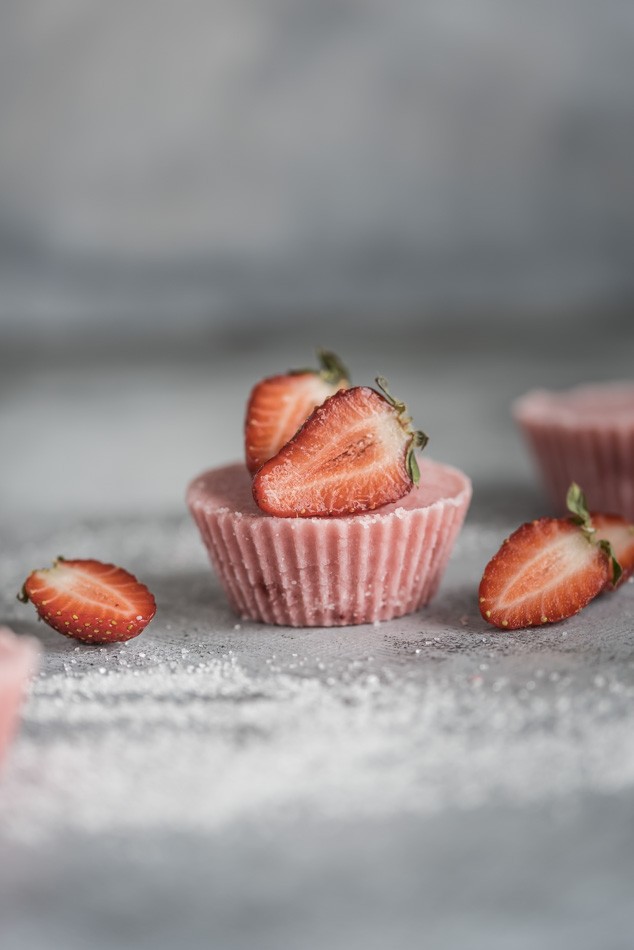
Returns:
point(18, 663)
point(585, 435)
point(324, 572)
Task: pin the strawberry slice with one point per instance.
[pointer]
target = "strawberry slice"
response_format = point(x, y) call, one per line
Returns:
point(353, 453)
point(546, 571)
point(90, 601)
point(279, 405)
point(550, 569)
point(620, 534)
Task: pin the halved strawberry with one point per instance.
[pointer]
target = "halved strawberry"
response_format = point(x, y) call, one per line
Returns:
point(279, 405)
point(546, 571)
point(620, 534)
point(354, 453)
point(90, 601)
point(549, 569)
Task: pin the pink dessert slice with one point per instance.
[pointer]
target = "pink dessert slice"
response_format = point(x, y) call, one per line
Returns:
point(18, 662)
point(329, 571)
point(584, 435)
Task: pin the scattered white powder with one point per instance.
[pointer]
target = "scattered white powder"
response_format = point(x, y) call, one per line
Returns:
point(203, 722)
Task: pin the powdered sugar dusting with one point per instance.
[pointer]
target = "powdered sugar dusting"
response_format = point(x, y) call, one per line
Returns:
point(202, 724)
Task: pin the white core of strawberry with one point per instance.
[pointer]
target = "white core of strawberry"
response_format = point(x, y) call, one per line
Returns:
point(315, 392)
point(380, 439)
point(560, 560)
point(83, 584)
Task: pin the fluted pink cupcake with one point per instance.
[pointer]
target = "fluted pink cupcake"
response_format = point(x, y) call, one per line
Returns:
point(18, 662)
point(333, 571)
point(586, 435)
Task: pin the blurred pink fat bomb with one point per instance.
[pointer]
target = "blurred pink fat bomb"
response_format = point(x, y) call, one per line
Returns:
point(323, 572)
point(586, 435)
point(18, 662)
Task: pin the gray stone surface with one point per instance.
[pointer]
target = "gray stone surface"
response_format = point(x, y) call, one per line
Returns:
point(214, 783)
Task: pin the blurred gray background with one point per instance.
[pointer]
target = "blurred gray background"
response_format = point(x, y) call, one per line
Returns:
point(171, 167)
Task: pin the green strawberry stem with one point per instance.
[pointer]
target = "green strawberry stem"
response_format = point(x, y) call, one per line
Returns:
point(578, 507)
point(23, 597)
point(418, 441)
point(617, 570)
point(580, 515)
point(331, 370)
point(383, 385)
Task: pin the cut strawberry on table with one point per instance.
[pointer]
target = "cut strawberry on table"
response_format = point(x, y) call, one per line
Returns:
point(90, 601)
point(279, 405)
point(547, 570)
point(354, 453)
point(620, 534)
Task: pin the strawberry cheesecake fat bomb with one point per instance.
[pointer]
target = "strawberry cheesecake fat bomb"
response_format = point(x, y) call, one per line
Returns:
point(339, 523)
point(18, 663)
point(584, 435)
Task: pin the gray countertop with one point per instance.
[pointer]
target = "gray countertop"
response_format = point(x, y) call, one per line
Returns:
point(427, 781)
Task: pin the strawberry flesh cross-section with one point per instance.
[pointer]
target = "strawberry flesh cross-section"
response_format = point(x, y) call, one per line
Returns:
point(354, 453)
point(90, 601)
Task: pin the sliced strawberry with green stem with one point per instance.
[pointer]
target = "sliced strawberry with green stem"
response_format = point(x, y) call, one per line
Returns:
point(279, 405)
point(89, 600)
point(354, 453)
point(547, 570)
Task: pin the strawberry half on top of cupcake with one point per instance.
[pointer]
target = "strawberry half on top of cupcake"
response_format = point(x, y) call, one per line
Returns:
point(335, 519)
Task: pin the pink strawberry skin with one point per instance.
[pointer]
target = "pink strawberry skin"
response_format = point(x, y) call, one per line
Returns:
point(544, 572)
